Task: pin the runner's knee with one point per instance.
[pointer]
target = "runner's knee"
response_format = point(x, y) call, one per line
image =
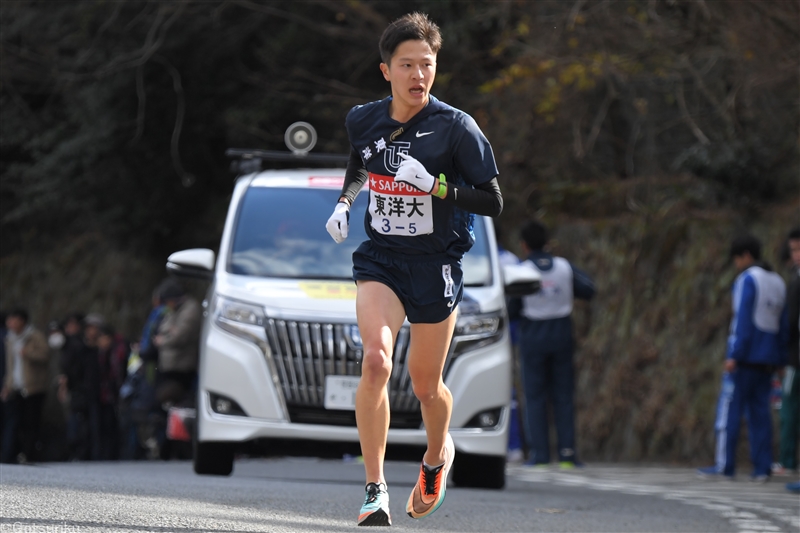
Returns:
point(428, 390)
point(376, 367)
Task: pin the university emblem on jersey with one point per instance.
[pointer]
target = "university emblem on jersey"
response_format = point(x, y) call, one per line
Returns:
point(391, 159)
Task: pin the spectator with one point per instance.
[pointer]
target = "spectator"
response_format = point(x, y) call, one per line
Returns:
point(23, 392)
point(53, 422)
point(547, 347)
point(146, 349)
point(178, 343)
point(137, 395)
point(92, 326)
point(55, 336)
point(756, 346)
point(75, 388)
point(790, 403)
point(112, 357)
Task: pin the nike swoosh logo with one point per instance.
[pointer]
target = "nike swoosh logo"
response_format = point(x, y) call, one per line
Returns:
point(421, 134)
point(450, 304)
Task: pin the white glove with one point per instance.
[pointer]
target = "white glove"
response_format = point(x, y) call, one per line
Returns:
point(339, 222)
point(412, 172)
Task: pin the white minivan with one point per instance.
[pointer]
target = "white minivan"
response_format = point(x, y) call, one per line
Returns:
point(280, 350)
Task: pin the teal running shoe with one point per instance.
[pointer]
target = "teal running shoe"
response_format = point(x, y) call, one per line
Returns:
point(375, 511)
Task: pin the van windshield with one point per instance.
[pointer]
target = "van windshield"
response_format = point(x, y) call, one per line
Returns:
point(280, 232)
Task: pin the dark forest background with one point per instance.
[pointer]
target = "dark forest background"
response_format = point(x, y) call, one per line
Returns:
point(645, 133)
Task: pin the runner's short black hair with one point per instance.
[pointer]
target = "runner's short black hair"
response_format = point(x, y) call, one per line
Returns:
point(746, 244)
point(535, 235)
point(410, 27)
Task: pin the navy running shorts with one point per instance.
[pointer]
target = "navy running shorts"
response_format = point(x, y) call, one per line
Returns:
point(430, 287)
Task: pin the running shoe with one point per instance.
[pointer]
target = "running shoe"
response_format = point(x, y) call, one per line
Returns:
point(375, 511)
point(780, 470)
point(712, 472)
point(428, 493)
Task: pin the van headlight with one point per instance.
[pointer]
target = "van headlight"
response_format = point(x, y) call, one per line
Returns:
point(475, 331)
point(242, 320)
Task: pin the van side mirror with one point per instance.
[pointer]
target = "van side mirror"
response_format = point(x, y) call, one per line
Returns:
point(197, 263)
point(520, 280)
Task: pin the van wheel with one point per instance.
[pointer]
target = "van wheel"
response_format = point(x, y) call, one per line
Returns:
point(479, 471)
point(213, 458)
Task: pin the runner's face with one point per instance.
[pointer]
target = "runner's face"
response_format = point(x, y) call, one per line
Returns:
point(411, 72)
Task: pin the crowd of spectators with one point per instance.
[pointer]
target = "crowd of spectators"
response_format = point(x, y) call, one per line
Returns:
point(81, 391)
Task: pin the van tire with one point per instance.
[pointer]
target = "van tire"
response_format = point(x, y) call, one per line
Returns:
point(479, 471)
point(213, 458)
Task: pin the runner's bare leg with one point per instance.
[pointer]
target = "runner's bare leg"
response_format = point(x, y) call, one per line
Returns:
point(426, 356)
point(380, 316)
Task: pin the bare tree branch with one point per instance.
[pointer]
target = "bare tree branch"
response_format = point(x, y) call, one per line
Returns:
point(362, 9)
point(141, 96)
point(148, 43)
point(577, 139)
point(186, 179)
point(685, 62)
point(327, 29)
point(631, 148)
point(107, 24)
point(688, 119)
point(573, 14)
point(611, 95)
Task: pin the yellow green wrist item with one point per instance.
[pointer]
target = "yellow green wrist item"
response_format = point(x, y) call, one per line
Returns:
point(440, 189)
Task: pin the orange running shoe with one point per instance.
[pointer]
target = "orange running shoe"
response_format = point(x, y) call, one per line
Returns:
point(428, 493)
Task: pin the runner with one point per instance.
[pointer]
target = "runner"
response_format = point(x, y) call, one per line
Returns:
point(430, 168)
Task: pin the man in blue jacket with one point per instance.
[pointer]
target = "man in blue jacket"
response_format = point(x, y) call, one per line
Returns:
point(546, 347)
point(756, 348)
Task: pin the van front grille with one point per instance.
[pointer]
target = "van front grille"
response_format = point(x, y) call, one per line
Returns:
point(305, 352)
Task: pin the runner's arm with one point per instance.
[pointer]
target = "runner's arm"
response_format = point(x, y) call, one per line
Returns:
point(354, 178)
point(484, 199)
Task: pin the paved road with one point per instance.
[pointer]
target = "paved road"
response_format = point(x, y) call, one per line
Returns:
point(305, 495)
point(743, 505)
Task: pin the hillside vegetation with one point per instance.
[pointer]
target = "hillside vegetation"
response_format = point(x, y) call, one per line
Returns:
point(647, 133)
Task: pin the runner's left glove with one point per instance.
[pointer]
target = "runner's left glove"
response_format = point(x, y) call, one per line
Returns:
point(339, 223)
point(414, 173)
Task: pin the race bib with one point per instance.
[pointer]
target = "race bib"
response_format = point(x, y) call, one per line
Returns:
point(399, 208)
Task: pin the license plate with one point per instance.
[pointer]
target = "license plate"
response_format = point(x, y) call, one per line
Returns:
point(340, 392)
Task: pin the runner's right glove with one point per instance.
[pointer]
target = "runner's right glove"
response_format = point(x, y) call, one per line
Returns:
point(415, 174)
point(339, 223)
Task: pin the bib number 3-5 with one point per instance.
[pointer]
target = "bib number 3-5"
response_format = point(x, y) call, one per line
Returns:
point(398, 208)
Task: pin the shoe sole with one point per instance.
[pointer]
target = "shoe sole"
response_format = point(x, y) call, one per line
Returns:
point(378, 518)
point(448, 464)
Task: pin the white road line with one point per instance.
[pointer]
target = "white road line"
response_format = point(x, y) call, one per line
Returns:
point(745, 516)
